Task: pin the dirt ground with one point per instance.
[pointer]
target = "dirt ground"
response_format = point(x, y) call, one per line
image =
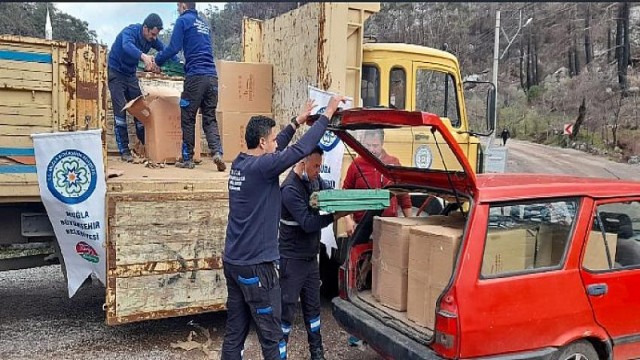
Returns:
point(38, 321)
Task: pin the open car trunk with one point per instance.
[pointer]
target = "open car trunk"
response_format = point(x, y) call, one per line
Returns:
point(398, 267)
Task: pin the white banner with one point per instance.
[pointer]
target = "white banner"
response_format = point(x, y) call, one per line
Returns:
point(72, 187)
point(332, 160)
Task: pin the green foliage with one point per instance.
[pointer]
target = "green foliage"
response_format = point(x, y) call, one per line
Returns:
point(29, 18)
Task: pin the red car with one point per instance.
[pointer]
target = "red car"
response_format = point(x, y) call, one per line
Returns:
point(544, 267)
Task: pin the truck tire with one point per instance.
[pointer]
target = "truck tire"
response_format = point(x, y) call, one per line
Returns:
point(579, 350)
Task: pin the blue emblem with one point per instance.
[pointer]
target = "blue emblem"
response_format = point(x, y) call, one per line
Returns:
point(71, 176)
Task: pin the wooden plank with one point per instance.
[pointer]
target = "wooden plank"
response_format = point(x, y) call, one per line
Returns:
point(212, 230)
point(26, 120)
point(165, 267)
point(27, 98)
point(9, 74)
point(16, 141)
point(166, 210)
point(26, 66)
point(169, 292)
point(11, 131)
point(24, 110)
point(55, 85)
point(196, 247)
point(18, 84)
point(27, 41)
point(251, 40)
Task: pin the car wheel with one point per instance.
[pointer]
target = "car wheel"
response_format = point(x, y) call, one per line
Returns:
point(580, 350)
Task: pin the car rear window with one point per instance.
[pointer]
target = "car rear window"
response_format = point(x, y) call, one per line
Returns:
point(527, 236)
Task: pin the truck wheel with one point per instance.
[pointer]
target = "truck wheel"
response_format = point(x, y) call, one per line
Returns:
point(579, 350)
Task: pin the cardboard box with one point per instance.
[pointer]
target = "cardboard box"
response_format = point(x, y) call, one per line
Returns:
point(390, 285)
point(432, 253)
point(508, 250)
point(244, 87)
point(391, 236)
point(159, 110)
point(232, 127)
point(595, 256)
point(421, 301)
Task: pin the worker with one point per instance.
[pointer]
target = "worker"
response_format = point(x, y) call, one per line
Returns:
point(200, 90)
point(131, 45)
point(299, 238)
point(251, 245)
point(363, 175)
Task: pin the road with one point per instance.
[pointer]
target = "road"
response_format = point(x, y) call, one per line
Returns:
point(38, 320)
point(528, 157)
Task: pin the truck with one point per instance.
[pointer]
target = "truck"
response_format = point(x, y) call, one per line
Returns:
point(165, 228)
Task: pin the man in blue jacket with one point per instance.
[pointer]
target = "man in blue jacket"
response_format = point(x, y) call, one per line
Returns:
point(251, 244)
point(131, 45)
point(192, 35)
point(300, 231)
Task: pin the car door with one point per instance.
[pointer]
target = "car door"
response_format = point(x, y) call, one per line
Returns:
point(610, 270)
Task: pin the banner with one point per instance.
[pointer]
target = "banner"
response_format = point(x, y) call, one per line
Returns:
point(332, 161)
point(72, 184)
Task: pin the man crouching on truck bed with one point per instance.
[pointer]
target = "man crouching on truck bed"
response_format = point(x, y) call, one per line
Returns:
point(131, 45)
point(300, 231)
point(251, 244)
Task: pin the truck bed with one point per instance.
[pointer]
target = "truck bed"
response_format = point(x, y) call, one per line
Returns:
point(165, 237)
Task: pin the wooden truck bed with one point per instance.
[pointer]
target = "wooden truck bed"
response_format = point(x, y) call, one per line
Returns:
point(165, 237)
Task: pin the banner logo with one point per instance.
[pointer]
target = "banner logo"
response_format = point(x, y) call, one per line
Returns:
point(71, 176)
point(87, 252)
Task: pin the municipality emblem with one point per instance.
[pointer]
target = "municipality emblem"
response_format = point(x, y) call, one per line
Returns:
point(71, 176)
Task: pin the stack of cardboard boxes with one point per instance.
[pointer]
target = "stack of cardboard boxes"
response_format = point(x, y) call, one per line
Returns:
point(244, 90)
point(393, 254)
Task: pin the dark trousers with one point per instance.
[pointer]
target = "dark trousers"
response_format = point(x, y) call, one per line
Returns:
point(200, 92)
point(123, 89)
point(253, 294)
point(504, 140)
point(300, 278)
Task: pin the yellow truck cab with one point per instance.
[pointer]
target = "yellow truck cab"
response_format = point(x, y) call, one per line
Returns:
point(412, 77)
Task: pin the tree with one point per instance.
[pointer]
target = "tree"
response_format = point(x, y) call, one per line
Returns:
point(28, 19)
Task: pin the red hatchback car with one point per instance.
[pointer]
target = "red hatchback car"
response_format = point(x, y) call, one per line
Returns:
point(544, 266)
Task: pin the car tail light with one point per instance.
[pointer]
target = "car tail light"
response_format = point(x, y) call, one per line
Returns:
point(446, 337)
point(342, 283)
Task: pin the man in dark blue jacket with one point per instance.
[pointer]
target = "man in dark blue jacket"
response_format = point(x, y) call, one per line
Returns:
point(300, 230)
point(131, 45)
point(192, 35)
point(251, 244)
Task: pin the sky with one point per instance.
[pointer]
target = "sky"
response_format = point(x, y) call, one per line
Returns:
point(109, 18)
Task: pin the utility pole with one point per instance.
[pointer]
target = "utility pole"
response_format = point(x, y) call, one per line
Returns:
point(496, 50)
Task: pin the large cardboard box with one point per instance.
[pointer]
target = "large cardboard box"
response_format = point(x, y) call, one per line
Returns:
point(595, 256)
point(159, 110)
point(232, 127)
point(432, 253)
point(244, 87)
point(508, 250)
point(390, 261)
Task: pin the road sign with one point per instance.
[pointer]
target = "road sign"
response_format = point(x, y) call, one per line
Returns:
point(495, 159)
point(568, 129)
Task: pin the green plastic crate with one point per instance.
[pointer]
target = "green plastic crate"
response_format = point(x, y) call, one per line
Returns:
point(350, 200)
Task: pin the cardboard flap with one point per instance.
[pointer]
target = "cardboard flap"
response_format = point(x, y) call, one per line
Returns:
point(153, 93)
point(139, 108)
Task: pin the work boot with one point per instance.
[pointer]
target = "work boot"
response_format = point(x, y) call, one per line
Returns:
point(317, 354)
point(126, 157)
point(185, 164)
point(217, 159)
